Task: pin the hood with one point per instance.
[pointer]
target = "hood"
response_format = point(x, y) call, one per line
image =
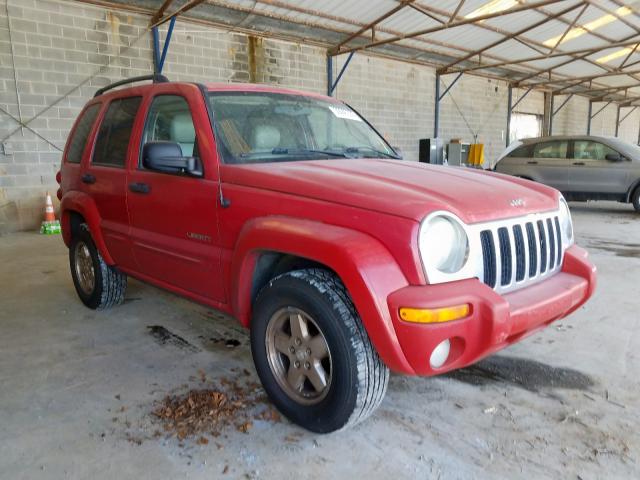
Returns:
point(402, 188)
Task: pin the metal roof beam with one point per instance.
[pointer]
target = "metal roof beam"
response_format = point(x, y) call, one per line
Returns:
point(590, 50)
point(512, 35)
point(163, 8)
point(467, 21)
point(456, 11)
point(568, 29)
point(573, 59)
point(594, 33)
point(608, 11)
point(185, 8)
point(583, 79)
point(633, 50)
point(371, 25)
point(426, 12)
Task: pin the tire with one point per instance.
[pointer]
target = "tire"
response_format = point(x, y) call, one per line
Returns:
point(356, 379)
point(98, 285)
point(635, 199)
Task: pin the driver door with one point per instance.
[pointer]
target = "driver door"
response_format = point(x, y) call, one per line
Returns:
point(591, 172)
point(551, 164)
point(173, 216)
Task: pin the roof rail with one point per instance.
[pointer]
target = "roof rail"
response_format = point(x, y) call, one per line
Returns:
point(157, 78)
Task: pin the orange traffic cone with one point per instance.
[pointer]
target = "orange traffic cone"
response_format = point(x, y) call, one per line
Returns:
point(49, 215)
point(50, 225)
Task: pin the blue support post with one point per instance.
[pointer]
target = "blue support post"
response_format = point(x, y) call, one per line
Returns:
point(509, 110)
point(332, 86)
point(436, 112)
point(590, 117)
point(159, 58)
point(439, 96)
point(450, 85)
point(156, 49)
point(554, 112)
point(329, 74)
point(551, 115)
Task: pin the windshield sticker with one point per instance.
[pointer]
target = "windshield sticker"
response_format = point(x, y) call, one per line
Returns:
point(344, 112)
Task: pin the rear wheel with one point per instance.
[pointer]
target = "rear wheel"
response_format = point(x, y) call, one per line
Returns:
point(313, 355)
point(98, 285)
point(635, 199)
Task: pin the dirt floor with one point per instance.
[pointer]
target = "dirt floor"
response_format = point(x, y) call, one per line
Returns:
point(83, 393)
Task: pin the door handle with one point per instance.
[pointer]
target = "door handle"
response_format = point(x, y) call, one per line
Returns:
point(532, 163)
point(88, 178)
point(578, 163)
point(139, 187)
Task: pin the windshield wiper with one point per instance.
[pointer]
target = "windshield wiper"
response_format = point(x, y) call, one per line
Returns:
point(373, 150)
point(296, 151)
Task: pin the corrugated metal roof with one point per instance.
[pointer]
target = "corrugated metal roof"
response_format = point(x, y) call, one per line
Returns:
point(490, 43)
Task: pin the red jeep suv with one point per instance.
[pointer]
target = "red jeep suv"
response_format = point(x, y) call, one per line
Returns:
point(289, 211)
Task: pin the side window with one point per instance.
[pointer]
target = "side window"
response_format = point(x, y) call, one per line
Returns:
point(556, 149)
point(169, 120)
point(521, 152)
point(114, 134)
point(79, 136)
point(590, 150)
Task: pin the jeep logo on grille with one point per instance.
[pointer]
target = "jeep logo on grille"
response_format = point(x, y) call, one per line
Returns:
point(517, 202)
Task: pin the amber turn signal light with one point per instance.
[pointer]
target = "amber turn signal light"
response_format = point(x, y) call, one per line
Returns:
point(435, 315)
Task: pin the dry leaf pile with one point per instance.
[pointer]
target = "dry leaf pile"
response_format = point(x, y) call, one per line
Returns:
point(211, 410)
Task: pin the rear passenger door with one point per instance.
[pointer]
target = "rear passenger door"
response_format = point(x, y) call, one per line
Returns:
point(549, 160)
point(105, 176)
point(173, 215)
point(591, 172)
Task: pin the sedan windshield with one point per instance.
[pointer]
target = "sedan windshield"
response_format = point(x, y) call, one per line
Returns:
point(258, 127)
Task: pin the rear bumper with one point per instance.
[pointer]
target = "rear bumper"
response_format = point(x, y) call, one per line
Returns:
point(496, 321)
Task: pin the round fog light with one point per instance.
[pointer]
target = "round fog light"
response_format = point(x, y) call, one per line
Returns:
point(440, 354)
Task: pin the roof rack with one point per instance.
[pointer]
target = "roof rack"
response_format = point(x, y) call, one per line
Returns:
point(157, 78)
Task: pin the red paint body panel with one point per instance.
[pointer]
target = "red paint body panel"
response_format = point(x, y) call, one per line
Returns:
point(496, 321)
point(358, 217)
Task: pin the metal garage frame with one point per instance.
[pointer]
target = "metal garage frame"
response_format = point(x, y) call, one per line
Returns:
point(389, 34)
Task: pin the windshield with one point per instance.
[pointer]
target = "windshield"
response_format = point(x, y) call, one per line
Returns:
point(258, 127)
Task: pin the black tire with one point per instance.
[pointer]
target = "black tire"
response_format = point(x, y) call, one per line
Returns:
point(635, 199)
point(109, 284)
point(358, 379)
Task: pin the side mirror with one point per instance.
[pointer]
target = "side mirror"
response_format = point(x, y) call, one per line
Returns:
point(167, 157)
point(614, 157)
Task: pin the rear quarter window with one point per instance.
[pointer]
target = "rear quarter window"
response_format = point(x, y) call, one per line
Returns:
point(79, 136)
point(521, 152)
point(555, 149)
point(112, 143)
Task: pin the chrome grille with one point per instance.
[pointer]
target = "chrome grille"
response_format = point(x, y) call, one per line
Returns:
point(519, 252)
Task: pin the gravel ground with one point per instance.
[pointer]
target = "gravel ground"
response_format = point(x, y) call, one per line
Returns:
point(80, 388)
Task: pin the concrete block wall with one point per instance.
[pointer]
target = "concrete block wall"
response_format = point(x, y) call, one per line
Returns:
point(65, 50)
point(396, 97)
point(572, 120)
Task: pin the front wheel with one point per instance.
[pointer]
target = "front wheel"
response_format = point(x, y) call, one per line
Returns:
point(313, 355)
point(98, 285)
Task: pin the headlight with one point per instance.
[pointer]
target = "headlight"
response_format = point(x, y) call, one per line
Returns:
point(566, 225)
point(444, 244)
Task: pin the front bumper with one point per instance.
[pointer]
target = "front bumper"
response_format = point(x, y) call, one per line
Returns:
point(496, 321)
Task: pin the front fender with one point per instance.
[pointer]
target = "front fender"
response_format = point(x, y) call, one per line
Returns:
point(365, 266)
point(83, 204)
